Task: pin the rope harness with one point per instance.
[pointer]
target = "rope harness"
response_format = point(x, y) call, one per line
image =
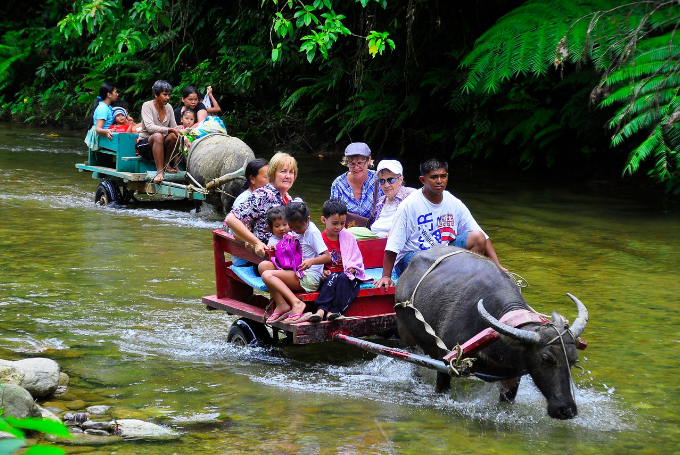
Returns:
point(458, 365)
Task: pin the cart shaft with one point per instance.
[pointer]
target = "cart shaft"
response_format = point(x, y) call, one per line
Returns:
point(400, 354)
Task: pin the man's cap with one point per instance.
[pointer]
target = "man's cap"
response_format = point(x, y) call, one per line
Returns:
point(391, 165)
point(357, 148)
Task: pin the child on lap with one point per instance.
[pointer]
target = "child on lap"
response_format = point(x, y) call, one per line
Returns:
point(345, 273)
point(277, 224)
point(282, 284)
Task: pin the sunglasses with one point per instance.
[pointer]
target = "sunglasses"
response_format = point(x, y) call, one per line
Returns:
point(390, 180)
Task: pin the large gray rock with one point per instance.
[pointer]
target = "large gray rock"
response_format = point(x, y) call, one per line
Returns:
point(133, 428)
point(17, 402)
point(41, 376)
point(9, 373)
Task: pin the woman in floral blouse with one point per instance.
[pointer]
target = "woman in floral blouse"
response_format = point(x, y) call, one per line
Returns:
point(249, 220)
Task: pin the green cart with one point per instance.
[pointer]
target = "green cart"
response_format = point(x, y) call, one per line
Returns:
point(122, 173)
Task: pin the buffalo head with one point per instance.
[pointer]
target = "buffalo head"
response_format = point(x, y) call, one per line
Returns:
point(548, 353)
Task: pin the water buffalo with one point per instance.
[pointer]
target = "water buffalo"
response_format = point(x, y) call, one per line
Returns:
point(215, 156)
point(454, 299)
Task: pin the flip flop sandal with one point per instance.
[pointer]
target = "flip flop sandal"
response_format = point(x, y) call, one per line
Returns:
point(278, 316)
point(304, 318)
point(287, 320)
point(315, 318)
point(335, 316)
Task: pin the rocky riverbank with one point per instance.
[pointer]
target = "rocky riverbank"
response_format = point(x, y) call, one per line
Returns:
point(25, 383)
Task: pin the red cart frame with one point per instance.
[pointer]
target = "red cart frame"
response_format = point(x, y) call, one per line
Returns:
point(371, 312)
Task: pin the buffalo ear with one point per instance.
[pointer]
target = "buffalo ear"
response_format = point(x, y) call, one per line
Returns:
point(558, 320)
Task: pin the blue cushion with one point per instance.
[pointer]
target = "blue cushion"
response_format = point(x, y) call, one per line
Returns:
point(247, 274)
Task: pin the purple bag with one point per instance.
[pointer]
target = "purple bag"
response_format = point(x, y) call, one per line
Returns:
point(288, 255)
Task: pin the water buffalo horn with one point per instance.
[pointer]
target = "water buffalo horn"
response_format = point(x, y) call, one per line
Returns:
point(581, 320)
point(518, 334)
point(226, 177)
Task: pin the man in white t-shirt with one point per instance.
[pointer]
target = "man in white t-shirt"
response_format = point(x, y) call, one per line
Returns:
point(428, 217)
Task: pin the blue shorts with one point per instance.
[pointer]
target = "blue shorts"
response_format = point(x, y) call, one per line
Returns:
point(460, 242)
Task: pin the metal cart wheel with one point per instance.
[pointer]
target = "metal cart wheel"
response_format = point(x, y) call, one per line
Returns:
point(248, 333)
point(107, 193)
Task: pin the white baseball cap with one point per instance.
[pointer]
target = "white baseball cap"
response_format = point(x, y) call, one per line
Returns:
point(391, 165)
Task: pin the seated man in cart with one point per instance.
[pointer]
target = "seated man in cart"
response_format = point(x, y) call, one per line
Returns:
point(158, 137)
point(430, 216)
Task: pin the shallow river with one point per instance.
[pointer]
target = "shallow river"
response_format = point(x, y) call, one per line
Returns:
point(114, 296)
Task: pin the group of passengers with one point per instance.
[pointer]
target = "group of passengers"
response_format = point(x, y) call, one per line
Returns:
point(364, 204)
point(412, 220)
point(161, 127)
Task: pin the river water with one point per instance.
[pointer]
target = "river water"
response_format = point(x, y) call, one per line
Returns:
point(114, 296)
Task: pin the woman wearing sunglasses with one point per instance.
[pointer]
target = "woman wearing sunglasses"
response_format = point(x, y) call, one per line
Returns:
point(390, 178)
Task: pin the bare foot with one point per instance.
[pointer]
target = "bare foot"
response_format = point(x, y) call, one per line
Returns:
point(172, 170)
point(297, 308)
point(159, 177)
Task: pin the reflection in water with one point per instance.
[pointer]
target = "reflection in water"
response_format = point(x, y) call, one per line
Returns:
point(113, 294)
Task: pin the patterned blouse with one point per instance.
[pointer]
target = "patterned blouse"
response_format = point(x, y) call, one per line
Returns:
point(341, 189)
point(253, 211)
point(400, 196)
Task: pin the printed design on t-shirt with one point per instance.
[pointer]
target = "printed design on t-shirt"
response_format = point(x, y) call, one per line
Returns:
point(445, 232)
point(336, 259)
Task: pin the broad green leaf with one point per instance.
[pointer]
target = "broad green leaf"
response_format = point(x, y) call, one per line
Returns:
point(44, 426)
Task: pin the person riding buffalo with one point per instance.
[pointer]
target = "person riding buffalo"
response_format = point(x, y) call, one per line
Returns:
point(190, 100)
point(431, 216)
point(158, 137)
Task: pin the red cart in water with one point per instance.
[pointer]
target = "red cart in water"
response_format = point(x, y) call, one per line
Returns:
point(371, 312)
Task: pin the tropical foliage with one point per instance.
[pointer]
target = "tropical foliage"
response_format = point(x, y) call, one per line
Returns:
point(504, 84)
point(634, 48)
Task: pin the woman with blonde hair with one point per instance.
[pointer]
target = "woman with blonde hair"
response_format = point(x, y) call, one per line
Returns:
point(248, 221)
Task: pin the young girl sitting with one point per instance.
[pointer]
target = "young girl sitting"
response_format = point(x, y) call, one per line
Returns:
point(277, 224)
point(188, 121)
point(281, 284)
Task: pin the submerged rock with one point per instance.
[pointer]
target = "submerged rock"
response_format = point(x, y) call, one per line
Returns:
point(90, 425)
point(64, 380)
point(84, 439)
point(17, 402)
point(97, 432)
point(98, 410)
point(10, 373)
point(41, 376)
point(132, 428)
point(75, 404)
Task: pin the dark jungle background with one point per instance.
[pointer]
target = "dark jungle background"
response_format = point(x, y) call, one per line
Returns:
point(401, 75)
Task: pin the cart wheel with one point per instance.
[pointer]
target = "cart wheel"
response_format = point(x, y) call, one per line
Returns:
point(248, 333)
point(107, 193)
